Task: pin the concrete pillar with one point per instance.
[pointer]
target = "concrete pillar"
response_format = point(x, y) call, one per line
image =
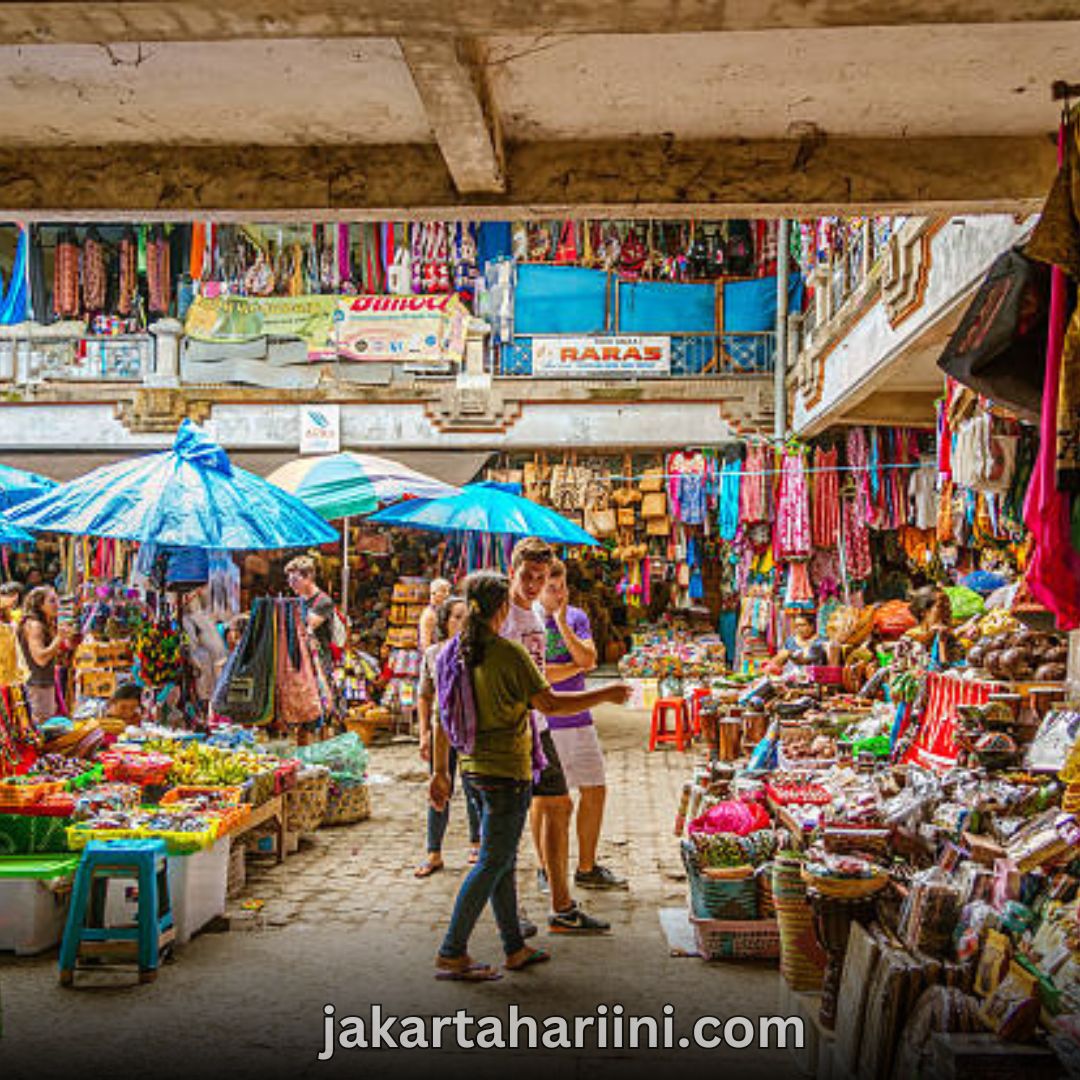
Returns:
point(1072, 672)
point(167, 334)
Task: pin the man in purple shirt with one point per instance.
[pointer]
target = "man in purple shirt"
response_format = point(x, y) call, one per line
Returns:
point(570, 654)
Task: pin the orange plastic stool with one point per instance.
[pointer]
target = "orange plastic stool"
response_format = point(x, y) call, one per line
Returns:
point(696, 698)
point(661, 733)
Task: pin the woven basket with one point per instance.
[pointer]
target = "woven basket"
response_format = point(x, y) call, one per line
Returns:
point(305, 804)
point(347, 805)
point(846, 888)
point(718, 939)
point(732, 900)
point(802, 959)
point(766, 903)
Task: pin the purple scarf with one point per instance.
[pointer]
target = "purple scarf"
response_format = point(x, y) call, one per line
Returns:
point(457, 706)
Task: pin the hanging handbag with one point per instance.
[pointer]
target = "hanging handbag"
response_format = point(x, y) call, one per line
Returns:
point(658, 526)
point(245, 691)
point(999, 348)
point(600, 522)
point(626, 517)
point(297, 690)
point(652, 480)
point(654, 505)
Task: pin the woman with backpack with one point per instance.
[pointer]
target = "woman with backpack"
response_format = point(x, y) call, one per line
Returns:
point(487, 689)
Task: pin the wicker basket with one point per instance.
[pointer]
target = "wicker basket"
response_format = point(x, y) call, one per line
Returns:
point(347, 805)
point(305, 804)
point(835, 888)
point(720, 939)
point(732, 900)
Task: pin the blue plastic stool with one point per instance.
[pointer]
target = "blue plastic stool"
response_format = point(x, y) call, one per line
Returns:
point(145, 862)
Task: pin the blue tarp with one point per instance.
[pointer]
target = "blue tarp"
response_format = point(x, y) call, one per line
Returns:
point(571, 300)
point(664, 307)
point(560, 300)
point(750, 306)
point(190, 496)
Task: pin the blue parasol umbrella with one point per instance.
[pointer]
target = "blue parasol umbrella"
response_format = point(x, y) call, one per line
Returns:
point(483, 509)
point(11, 535)
point(189, 496)
point(17, 486)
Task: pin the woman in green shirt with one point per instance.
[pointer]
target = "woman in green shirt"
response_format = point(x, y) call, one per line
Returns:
point(498, 772)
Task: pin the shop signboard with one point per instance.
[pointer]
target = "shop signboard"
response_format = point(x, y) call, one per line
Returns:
point(320, 429)
point(232, 320)
point(601, 356)
point(409, 329)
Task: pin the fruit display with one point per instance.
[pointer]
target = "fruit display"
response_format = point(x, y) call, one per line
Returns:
point(214, 766)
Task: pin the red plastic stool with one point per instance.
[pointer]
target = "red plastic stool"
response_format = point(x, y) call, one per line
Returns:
point(696, 698)
point(659, 731)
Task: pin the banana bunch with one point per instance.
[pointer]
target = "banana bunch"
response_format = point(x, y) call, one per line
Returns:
point(212, 766)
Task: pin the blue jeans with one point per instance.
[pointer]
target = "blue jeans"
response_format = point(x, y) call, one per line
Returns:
point(437, 820)
point(504, 806)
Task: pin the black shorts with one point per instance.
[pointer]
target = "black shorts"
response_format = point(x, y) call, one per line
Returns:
point(552, 779)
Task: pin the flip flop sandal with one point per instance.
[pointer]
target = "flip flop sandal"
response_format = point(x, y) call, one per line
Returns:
point(426, 869)
point(473, 973)
point(537, 956)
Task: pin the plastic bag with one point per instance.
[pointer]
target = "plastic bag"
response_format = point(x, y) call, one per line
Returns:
point(930, 912)
point(345, 756)
point(966, 603)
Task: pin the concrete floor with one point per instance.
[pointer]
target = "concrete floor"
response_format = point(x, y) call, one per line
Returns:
point(345, 922)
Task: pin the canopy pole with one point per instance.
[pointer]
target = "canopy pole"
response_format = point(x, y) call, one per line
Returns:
point(345, 569)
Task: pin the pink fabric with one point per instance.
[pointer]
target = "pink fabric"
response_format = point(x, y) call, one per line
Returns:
point(1053, 573)
point(752, 508)
point(738, 817)
point(826, 525)
point(793, 510)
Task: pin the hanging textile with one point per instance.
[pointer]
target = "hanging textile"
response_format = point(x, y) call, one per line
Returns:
point(858, 560)
point(753, 507)
point(793, 509)
point(826, 523)
point(730, 484)
point(14, 302)
point(1053, 574)
point(686, 486)
point(1056, 240)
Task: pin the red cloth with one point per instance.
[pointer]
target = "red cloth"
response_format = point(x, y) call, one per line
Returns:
point(934, 747)
point(1053, 574)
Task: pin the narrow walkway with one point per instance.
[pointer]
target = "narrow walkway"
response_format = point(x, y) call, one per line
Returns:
point(345, 922)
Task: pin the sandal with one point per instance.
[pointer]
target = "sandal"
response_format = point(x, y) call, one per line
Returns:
point(470, 973)
point(427, 868)
point(534, 956)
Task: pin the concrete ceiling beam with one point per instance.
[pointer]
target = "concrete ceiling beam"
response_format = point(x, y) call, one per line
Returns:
point(450, 78)
point(215, 20)
point(544, 180)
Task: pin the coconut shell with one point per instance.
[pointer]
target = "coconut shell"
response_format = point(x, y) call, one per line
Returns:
point(1050, 673)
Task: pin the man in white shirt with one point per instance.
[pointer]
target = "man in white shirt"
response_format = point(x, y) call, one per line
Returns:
point(552, 806)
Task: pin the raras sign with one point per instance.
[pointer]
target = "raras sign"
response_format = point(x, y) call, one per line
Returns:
point(600, 356)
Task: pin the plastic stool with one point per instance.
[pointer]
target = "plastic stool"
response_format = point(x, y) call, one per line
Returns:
point(696, 698)
point(659, 731)
point(102, 860)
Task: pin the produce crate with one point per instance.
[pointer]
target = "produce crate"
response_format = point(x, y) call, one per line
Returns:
point(16, 792)
point(752, 939)
point(732, 900)
point(137, 767)
point(223, 796)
